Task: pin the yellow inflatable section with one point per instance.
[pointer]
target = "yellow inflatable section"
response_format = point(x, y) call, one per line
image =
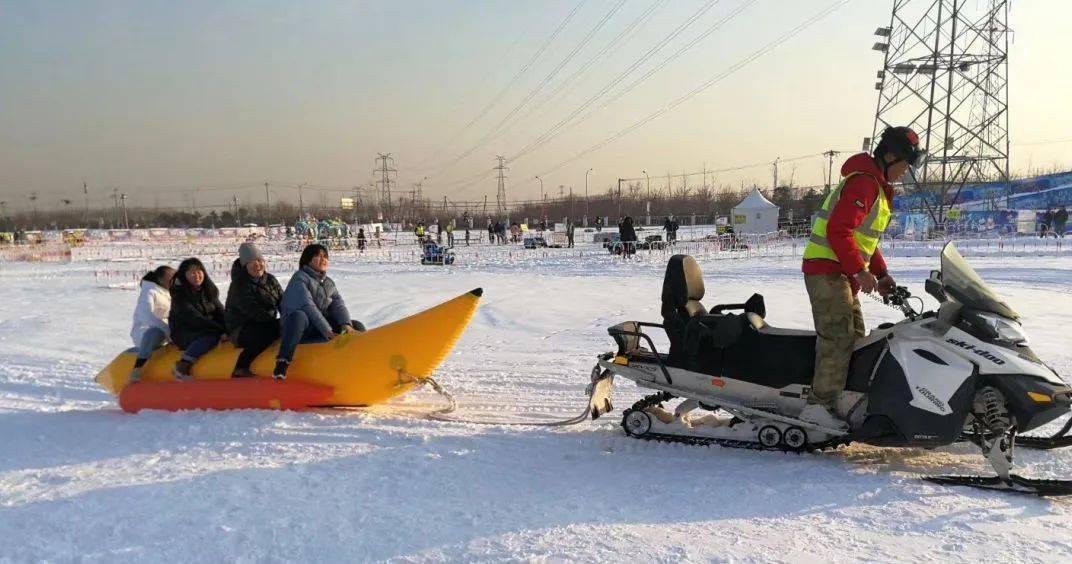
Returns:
point(364, 369)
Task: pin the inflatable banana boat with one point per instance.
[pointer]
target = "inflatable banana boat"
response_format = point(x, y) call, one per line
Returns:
point(360, 368)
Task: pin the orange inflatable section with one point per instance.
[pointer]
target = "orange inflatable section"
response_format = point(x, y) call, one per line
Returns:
point(245, 393)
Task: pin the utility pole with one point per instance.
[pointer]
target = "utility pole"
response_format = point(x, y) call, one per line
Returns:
point(385, 167)
point(775, 185)
point(500, 194)
point(354, 219)
point(237, 214)
point(619, 199)
point(301, 204)
point(829, 168)
point(85, 204)
point(126, 217)
point(115, 208)
point(267, 209)
point(586, 196)
point(648, 178)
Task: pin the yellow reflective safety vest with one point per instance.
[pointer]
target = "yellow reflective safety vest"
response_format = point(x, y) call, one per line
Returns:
point(867, 235)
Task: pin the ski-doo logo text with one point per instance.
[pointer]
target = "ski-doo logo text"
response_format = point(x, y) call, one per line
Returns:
point(930, 396)
point(970, 347)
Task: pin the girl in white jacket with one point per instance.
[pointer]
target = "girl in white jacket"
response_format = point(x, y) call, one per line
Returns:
point(151, 315)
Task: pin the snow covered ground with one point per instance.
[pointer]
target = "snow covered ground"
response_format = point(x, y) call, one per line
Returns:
point(82, 481)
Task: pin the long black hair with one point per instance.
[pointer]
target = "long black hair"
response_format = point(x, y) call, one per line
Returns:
point(310, 252)
point(156, 275)
point(179, 284)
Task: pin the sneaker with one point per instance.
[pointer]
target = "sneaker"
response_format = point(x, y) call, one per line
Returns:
point(280, 372)
point(820, 415)
point(181, 371)
point(241, 373)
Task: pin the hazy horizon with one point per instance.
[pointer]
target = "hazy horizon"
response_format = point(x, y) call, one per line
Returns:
point(156, 99)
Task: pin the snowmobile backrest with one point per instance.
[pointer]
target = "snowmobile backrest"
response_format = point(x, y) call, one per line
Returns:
point(683, 288)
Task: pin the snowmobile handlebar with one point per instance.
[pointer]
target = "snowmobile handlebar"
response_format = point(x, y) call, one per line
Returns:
point(899, 299)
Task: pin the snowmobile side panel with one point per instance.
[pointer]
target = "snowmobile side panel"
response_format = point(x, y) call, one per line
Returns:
point(933, 374)
point(893, 420)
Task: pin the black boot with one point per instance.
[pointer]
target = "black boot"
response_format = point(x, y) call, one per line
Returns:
point(181, 371)
point(135, 374)
point(280, 372)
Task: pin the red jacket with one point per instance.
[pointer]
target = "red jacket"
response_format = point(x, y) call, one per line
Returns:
point(857, 197)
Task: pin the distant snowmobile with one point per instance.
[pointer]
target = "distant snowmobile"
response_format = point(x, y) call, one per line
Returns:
point(436, 254)
point(964, 372)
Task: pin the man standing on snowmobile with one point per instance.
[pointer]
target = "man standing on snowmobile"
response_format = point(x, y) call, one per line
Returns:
point(842, 258)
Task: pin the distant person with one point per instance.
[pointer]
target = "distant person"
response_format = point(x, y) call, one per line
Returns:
point(252, 309)
point(419, 231)
point(312, 309)
point(627, 235)
point(1047, 221)
point(491, 232)
point(1060, 222)
point(361, 239)
point(196, 318)
point(599, 224)
point(450, 234)
point(150, 327)
point(570, 226)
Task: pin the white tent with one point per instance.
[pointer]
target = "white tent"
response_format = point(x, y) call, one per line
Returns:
point(755, 214)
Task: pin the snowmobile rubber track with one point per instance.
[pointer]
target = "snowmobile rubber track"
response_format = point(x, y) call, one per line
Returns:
point(1016, 484)
point(660, 397)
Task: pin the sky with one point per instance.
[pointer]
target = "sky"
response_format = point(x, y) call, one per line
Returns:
point(196, 103)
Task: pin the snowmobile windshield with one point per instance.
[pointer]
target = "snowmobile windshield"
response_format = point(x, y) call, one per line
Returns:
point(964, 285)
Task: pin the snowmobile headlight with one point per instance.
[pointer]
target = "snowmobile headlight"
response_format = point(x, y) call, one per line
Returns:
point(1005, 329)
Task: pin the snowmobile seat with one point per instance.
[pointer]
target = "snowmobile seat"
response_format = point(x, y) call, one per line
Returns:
point(686, 319)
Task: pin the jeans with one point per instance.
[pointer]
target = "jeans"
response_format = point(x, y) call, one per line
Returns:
point(253, 339)
point(199, 346)
point(297, 330)
point(150, 341)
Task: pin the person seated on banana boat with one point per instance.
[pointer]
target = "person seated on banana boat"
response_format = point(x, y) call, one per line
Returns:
point(150, 327)
point(196, 318)
point(252, 309)
point(312, 309)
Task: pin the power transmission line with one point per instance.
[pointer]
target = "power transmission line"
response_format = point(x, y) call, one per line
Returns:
point(558, 130)
point(517, 76)
point(466, 183)
point(624, 74)
point(502, 126)
point(715, 80)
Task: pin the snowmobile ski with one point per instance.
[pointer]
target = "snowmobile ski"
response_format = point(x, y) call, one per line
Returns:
point(1015, 483)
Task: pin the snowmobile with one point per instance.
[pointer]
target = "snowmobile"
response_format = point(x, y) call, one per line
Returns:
point(435, 254)
point(963, 372)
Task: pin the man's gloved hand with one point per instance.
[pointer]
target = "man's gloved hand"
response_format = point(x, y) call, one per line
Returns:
point(867, 281)
point(886, 285)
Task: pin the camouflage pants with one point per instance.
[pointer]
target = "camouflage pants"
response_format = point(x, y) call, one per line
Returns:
point(839, 322)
